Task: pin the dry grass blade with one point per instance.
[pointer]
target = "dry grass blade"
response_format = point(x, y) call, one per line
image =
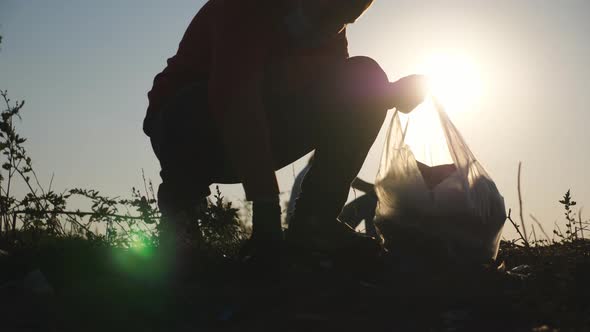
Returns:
point(526, 240)
point(580, 222)
point(540, 227)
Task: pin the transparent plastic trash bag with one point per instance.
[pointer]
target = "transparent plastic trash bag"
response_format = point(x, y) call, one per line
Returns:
point(431, 186)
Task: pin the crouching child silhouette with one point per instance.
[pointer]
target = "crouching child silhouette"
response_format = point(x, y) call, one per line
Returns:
point(254, 86)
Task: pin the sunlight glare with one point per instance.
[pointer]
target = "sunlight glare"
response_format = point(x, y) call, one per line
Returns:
point(425, 136)
point(454, 80)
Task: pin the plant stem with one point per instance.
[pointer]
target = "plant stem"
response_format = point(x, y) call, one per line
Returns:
point(520, 205)
point(82, 214)
point(516, 227)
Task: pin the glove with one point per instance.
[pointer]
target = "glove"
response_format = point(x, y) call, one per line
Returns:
point(408, 92)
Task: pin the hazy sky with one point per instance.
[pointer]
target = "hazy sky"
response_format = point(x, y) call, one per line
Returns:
point(84, 68)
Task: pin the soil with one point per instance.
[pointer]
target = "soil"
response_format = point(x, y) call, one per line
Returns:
point(77, 286)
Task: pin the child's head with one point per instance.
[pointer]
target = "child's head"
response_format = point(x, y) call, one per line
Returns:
point(335, 14)
point(325, 17)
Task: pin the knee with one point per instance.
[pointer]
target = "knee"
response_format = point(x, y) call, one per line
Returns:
point(365, 83)
point(363, 69)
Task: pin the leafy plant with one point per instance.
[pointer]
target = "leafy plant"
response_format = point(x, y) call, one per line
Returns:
point(574, 229)
point(221, 226)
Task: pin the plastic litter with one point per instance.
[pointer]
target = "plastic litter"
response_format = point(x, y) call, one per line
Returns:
point(431, 188)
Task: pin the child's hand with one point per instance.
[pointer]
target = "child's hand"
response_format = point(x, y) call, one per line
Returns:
point(408, 92)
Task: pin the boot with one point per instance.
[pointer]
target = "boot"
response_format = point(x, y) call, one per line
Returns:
point(261, 254)
point(331, 237)
point(179, 231)
point(180, 238)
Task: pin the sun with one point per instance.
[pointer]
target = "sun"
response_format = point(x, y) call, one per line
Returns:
point(454, 80)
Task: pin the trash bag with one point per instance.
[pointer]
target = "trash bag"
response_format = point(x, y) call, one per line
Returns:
point(432, 189)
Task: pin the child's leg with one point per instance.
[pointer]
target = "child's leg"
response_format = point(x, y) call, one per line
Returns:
point(345, 129)
point(182, 140)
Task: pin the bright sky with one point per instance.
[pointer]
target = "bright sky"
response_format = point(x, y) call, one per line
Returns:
point(84, 68)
